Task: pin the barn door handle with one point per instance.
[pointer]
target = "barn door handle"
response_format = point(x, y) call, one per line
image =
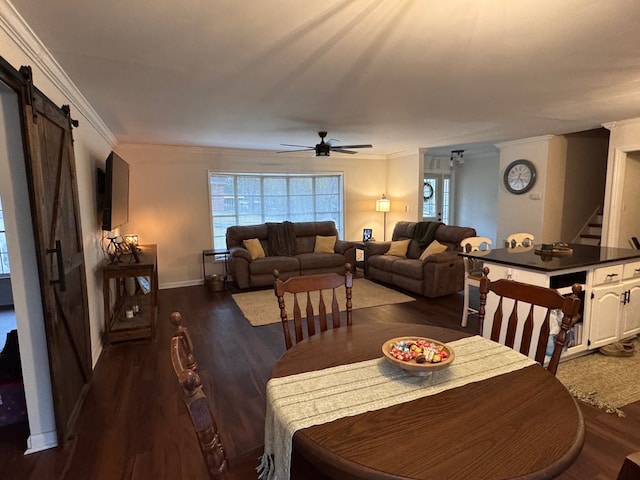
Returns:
point(61, 276)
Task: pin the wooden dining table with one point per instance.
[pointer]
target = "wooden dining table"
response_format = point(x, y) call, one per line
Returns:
point(523, 424)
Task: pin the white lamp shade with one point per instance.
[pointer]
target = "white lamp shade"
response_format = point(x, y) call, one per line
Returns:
point(383, 205)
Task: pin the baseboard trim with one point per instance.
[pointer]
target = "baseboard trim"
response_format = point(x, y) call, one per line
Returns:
point(41, 441)
point(186, 283)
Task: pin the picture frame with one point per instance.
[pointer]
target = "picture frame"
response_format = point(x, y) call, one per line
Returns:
point(367, 234)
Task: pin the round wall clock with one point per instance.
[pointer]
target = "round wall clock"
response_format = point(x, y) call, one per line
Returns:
point(520, 176)
point(427, 191)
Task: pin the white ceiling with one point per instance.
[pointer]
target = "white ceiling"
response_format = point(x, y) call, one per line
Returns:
point(400, 74)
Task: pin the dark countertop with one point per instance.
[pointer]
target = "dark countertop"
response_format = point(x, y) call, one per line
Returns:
point(583, 256)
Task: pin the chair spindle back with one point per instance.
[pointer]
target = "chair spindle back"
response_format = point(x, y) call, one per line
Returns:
point(534, 298)
point(304, 286)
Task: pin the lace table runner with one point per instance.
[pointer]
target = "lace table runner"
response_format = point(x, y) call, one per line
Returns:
point(312, 398)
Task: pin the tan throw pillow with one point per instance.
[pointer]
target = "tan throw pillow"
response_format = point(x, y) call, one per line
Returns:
point(255, 248)
point(399, 248)
point(324, 244)
point(434, 247)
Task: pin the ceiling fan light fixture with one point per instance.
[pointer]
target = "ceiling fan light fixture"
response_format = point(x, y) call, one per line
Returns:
point(323, 149)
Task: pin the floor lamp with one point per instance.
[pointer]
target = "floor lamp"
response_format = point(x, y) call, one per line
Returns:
point(383, 205)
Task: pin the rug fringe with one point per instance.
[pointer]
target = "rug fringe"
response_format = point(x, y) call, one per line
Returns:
point(590, 399)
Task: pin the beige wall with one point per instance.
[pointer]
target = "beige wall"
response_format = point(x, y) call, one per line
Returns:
point(169, 203)
point(522, 213)
point(554, 202)
point(404, 184)
point(571, 171)
point(476, 195)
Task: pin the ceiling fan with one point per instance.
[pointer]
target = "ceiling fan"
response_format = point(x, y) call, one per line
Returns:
point(323, 149)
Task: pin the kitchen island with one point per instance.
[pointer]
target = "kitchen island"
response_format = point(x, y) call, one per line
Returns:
point(610, 279)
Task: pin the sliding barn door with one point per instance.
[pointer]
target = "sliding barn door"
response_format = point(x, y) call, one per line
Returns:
point(53, 190)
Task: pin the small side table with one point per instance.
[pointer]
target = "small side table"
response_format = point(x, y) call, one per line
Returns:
point(361, 263)
point(213, 253)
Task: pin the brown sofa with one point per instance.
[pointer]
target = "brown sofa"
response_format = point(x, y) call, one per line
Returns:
point(437, 275)
point(301, 261)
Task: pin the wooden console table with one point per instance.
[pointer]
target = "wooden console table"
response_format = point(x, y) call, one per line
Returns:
point(121, 320)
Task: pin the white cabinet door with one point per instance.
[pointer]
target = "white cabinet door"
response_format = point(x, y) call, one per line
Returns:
point(605, 314)
point(630, 318)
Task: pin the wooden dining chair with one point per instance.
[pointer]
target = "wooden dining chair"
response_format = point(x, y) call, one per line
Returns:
point(472, 269)
point(306, 285)
point(218, 466)
point(534, 298)
point(213, 452)
point(520, 240)
point(181, 331)
point(630, 468)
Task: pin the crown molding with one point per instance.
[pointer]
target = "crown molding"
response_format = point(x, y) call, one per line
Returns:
point(195, 149)
point(541, 138)
point(239, 152)
point(618, 123)
point(12, 23)
point(404, 153)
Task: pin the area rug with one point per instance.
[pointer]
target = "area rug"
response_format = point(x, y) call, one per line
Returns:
point(261, 307)
point(608, 383)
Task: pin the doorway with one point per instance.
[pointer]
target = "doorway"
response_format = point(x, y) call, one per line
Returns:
point(436, 197)
point(26, 309)
point(630, 211)
point(7, 314)
point(622, 213)
point(9, 357)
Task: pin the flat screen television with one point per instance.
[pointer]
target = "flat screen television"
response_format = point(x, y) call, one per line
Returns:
point(113, 192)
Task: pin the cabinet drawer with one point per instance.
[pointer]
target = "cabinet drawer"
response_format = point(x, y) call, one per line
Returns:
point(631, 270)
point(612, 274)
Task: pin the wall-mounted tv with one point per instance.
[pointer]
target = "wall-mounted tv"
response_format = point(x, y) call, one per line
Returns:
point(113, 192)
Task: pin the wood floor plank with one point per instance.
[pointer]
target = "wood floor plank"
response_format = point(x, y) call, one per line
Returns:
point(134, 426)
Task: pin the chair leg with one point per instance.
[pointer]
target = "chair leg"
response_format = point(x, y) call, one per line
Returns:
point(465, 307)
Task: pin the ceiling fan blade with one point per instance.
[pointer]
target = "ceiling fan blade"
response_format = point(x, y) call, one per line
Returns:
point(354, 146)
point(290, 145)
point(342, 150)
point(301, 150)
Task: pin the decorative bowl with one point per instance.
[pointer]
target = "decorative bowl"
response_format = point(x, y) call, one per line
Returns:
point(411, 365)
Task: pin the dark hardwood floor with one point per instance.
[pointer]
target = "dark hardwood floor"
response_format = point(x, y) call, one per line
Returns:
point(134, 426)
